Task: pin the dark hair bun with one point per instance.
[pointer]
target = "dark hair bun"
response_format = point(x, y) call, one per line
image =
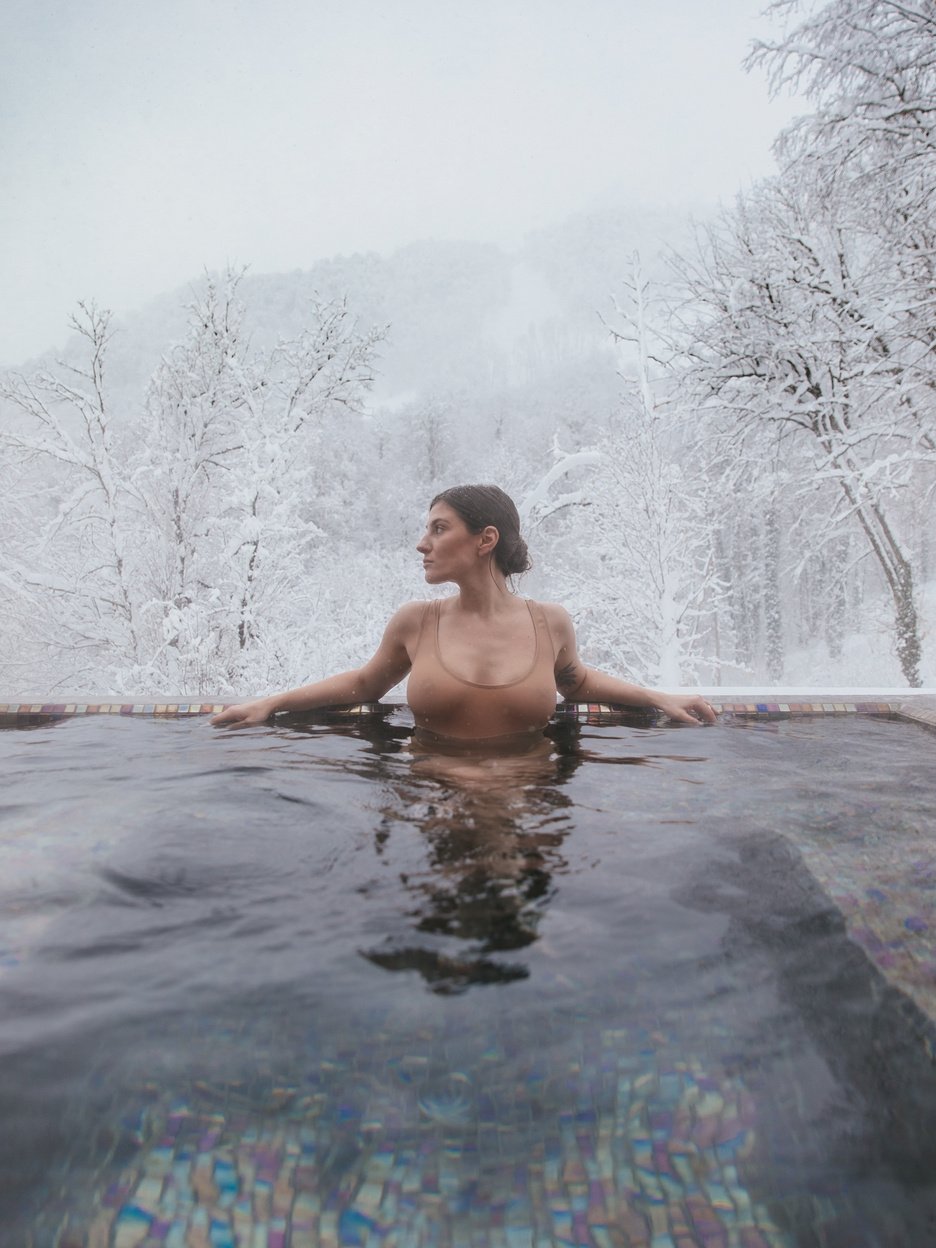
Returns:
point(481, 505)
point(518, 560)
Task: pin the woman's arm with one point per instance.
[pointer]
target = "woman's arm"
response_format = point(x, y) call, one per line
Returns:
point(387, 667)
point(579, 683)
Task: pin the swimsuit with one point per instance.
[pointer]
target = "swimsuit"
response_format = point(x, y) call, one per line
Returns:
point(447, 705)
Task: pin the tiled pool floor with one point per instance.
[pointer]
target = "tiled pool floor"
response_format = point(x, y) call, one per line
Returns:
point(652, 1154)
point(884, 884)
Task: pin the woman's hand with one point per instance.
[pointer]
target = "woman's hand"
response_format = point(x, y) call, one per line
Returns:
point(685, 708)
point(245, 714)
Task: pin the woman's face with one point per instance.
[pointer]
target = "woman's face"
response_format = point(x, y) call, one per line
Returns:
point(448, 547)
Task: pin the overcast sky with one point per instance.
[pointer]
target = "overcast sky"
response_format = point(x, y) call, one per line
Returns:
point(144, 140)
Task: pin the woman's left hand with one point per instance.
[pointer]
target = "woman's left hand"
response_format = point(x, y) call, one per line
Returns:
point(685, 708)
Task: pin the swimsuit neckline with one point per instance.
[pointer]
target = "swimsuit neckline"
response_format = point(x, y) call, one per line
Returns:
point(478, 684)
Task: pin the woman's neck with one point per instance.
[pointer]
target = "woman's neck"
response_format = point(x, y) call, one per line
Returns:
point(484, 594)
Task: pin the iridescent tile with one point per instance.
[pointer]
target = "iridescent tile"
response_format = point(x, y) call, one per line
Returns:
point(221, 1235)
point(602, 1237)
point(751, 1237)
point(719, 1198)
point(131, 1226)
point(148, 1192)
point(368, 1197)
point(448, 1101)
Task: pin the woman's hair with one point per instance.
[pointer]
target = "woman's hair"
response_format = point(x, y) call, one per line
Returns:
point(481, 505)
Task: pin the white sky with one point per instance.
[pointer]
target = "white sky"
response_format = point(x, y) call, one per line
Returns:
point(144, 140)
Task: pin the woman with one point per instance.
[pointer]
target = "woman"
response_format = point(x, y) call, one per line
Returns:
point(485, 664)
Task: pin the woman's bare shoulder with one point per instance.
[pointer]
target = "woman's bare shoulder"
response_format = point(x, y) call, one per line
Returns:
point(409, 616)
point(561, 629)
point(556, 615)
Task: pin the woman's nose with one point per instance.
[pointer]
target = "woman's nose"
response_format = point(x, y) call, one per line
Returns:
point(423, 545)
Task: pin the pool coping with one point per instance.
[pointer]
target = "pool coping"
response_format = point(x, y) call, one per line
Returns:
point(918, 707)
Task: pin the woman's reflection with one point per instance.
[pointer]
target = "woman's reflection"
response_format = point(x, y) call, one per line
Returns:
point(495, 824)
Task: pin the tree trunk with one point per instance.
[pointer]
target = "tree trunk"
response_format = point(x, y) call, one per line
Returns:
point(773, 615)
point(898, 576)
point(837, 613)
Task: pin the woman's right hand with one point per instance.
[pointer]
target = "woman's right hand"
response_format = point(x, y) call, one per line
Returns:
point(245, 714)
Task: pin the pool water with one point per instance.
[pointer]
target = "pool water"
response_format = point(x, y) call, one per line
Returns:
point(315, 986)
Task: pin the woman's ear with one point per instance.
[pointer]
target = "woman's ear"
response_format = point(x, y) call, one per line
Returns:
point(487, 539)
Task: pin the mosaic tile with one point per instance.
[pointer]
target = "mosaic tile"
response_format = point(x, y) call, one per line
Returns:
point(662, 1163)
point(921, 711)
point(885, 891)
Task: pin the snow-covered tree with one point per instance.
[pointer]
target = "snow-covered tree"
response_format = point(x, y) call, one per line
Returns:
point(869, 66)
point(646, 584)
point(794, 339)
point(181, 553)
point(74, 559)
point(241, 462)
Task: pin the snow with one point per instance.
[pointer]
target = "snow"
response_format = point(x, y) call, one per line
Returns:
point(234, 505)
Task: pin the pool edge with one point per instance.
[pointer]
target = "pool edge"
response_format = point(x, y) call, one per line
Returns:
point(915, 707)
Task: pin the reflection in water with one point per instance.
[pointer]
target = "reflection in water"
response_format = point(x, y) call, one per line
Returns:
point(494, 822)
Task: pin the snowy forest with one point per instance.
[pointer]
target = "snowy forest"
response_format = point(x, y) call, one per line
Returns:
point(723, 449)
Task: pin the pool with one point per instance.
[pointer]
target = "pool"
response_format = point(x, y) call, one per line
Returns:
point(307, 985)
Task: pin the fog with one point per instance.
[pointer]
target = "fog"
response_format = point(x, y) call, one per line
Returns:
point(336, 259)
point(142, 144)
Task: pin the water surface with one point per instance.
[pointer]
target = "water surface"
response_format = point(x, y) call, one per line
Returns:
point(590, 995)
